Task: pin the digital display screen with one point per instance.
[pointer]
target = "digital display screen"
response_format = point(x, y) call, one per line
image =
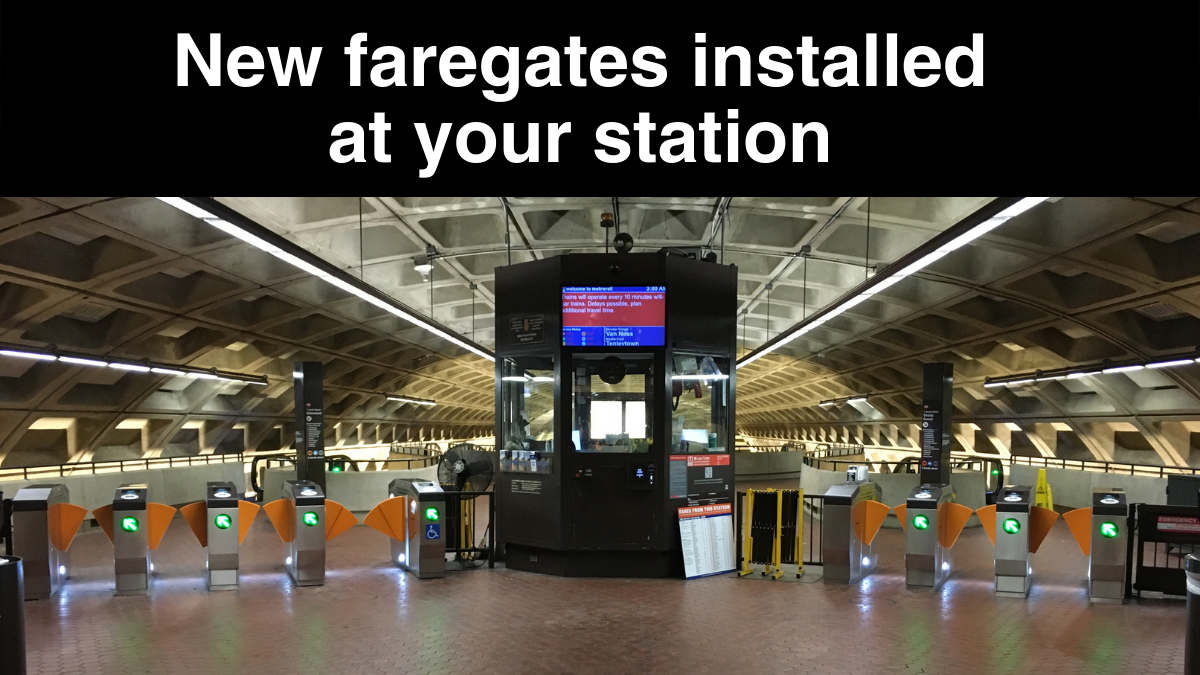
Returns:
point(614, 316)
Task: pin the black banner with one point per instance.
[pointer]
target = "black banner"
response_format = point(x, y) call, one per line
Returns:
point(977, 98)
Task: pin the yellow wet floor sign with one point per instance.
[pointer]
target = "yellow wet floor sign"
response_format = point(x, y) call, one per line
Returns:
point(1042, 495)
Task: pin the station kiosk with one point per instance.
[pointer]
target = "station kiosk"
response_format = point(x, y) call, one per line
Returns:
point(851, 516)
point(305, 520)
point(932, 523)
point(615, 385)
point(1102, 532)
point(44, 524)
point(135, 526)
point(1017, 529)
point(414, 516)
point(220, 524)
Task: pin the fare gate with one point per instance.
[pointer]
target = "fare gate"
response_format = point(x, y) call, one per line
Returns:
point(220, 524)
point(135, 526)
point(932, 522)
point(305, 520)
point(1102, 532)
point(44, 523)
point(1016, 527)
point(852, 515)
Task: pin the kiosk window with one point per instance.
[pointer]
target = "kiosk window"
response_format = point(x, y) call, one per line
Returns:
point(700, 400)
point(527, 404)
point(609, 397)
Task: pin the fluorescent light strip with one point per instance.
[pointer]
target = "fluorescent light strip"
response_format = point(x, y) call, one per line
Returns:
point(146, 367)
point(27, 355)
point(975, 232)
point(846, 399)
point(129, 366)
point(263, 245)
point(405, 399)
point(720, 376)
point(1091, 370)
point(513, 378)
point(1122, 369)
point(1171, 364)
point(83, 362)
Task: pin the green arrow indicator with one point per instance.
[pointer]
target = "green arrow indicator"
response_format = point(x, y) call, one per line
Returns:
point(921, 522)
point(1012, 526)
point(1108, 530)
point(310, 518)
point(223, 521)
point(431, 513)
point(129, 524)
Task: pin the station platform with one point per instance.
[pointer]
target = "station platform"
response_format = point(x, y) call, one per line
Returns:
point(373, 619)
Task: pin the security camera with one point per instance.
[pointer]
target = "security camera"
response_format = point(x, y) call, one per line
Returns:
point(623, 242)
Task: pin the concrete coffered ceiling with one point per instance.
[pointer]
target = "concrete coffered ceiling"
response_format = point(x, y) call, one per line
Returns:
point(1072, 281)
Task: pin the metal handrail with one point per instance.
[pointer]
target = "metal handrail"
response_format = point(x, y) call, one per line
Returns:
point(118, 465)
point(287, 458)
point(1101, 466)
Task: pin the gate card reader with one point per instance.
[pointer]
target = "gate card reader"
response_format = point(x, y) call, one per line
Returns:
point(305, 560)
point(305, 520)
point(422, 548)
point(1102, 534)
point(135, 526)
point(932, 523)
point(1017, 528)
point(220, 523)
point(44, 524)
point(852, 516)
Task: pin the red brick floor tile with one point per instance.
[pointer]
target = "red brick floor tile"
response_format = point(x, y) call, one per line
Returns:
point(372, 619)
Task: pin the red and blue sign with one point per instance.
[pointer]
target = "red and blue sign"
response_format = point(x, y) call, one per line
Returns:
point(614, 316)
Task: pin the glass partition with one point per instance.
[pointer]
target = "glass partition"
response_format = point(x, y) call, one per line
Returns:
point(609, 402)
point(527, 414)
point(700, 403)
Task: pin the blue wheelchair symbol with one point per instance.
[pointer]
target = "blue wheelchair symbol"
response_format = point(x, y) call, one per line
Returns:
point(433, 531)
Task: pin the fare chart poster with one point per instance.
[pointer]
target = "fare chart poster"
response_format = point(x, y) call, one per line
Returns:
point(365, 98)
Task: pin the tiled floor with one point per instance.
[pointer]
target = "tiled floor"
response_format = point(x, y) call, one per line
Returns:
point(370, 618)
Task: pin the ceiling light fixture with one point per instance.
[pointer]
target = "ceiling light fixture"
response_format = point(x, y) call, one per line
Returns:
point(984, 220)
point(411, 399)
point(1105, 368)
point(829, 402)
point(144, 366)
point(717, 376)
point(231, 222)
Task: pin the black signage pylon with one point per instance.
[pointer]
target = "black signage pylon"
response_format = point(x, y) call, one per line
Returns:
point(309, 377)
point(937, 412)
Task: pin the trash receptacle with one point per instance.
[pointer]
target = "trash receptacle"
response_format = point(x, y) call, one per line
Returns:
point(1191, 641)
point(12, 616)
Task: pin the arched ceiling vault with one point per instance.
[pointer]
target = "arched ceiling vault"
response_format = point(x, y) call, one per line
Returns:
point(1074, 281)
